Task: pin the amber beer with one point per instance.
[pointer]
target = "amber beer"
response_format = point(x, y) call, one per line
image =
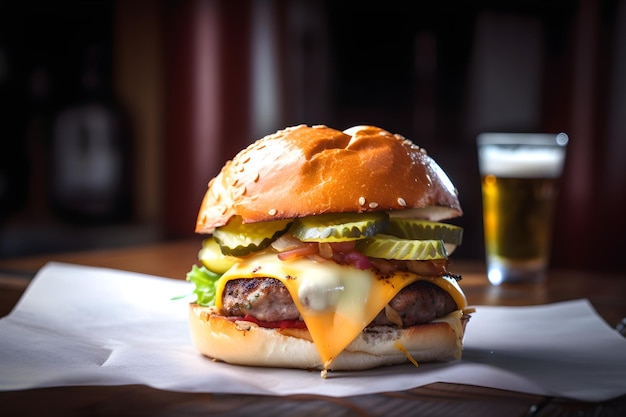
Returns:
point(519, 175)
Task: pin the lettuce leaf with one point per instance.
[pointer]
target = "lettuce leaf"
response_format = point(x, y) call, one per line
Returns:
point(205, 282)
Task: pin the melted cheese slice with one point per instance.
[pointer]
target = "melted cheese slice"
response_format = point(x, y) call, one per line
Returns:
point(335, 301)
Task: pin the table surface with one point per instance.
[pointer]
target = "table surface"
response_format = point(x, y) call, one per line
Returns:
point(606, 292)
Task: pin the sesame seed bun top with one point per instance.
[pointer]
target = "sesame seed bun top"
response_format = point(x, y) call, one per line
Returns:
point(302, 171)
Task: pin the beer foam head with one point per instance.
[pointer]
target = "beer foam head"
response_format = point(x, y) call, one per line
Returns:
point(541, 156)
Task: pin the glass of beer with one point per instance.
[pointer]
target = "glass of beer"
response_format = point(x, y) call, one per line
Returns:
point(519, 175)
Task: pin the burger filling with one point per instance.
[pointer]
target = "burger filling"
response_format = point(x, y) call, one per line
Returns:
point(268, 300)
point(333, 274)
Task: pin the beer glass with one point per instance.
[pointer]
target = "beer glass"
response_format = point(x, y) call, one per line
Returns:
point(519, 175)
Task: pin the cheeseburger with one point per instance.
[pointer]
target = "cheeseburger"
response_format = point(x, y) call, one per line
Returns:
point(326, 250)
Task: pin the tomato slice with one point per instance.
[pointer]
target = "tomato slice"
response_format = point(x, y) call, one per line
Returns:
point(281, 324)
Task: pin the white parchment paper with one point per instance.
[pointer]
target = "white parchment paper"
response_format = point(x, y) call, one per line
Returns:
point(79, 325)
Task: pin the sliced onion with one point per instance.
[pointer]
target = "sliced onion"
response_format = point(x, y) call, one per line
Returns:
point(326, 250)
point(286, 242)
point(347, 246)
point(434, 267)
point(385, 266)
point(393, 316)
point(356, 259)
point(303, 250)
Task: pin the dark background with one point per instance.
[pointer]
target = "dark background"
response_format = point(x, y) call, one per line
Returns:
point(115, 114)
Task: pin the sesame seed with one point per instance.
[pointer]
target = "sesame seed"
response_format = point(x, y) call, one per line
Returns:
point(401, 201)
point(256, 177)
point(236, 192)
point(272, 212)
point(373, 205)
point(362, 201)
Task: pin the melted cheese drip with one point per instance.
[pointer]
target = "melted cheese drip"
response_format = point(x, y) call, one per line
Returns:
point(335, 301)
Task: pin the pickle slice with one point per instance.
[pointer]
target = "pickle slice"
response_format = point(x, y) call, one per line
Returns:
point(339, 227)
point(392, 247)
point(237, 239)
point(424, 230)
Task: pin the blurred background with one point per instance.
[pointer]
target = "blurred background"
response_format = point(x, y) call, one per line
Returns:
point(115, 114)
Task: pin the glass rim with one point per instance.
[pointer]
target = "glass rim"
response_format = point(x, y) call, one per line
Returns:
point(521, 139)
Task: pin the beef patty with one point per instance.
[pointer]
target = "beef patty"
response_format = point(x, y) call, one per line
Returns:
point(267, 299)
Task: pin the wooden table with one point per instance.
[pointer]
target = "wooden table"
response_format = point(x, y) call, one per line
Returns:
point(607, 293)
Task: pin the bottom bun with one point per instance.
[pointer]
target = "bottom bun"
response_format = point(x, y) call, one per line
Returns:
point(245, 343)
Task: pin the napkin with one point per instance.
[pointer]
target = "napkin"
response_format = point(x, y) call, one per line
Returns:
point(78, 325)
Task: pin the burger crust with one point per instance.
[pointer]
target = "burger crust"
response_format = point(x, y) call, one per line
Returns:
point(219, 338)
point(362, 169)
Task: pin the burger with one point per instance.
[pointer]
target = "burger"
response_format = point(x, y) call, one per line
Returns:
point(326, 249)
